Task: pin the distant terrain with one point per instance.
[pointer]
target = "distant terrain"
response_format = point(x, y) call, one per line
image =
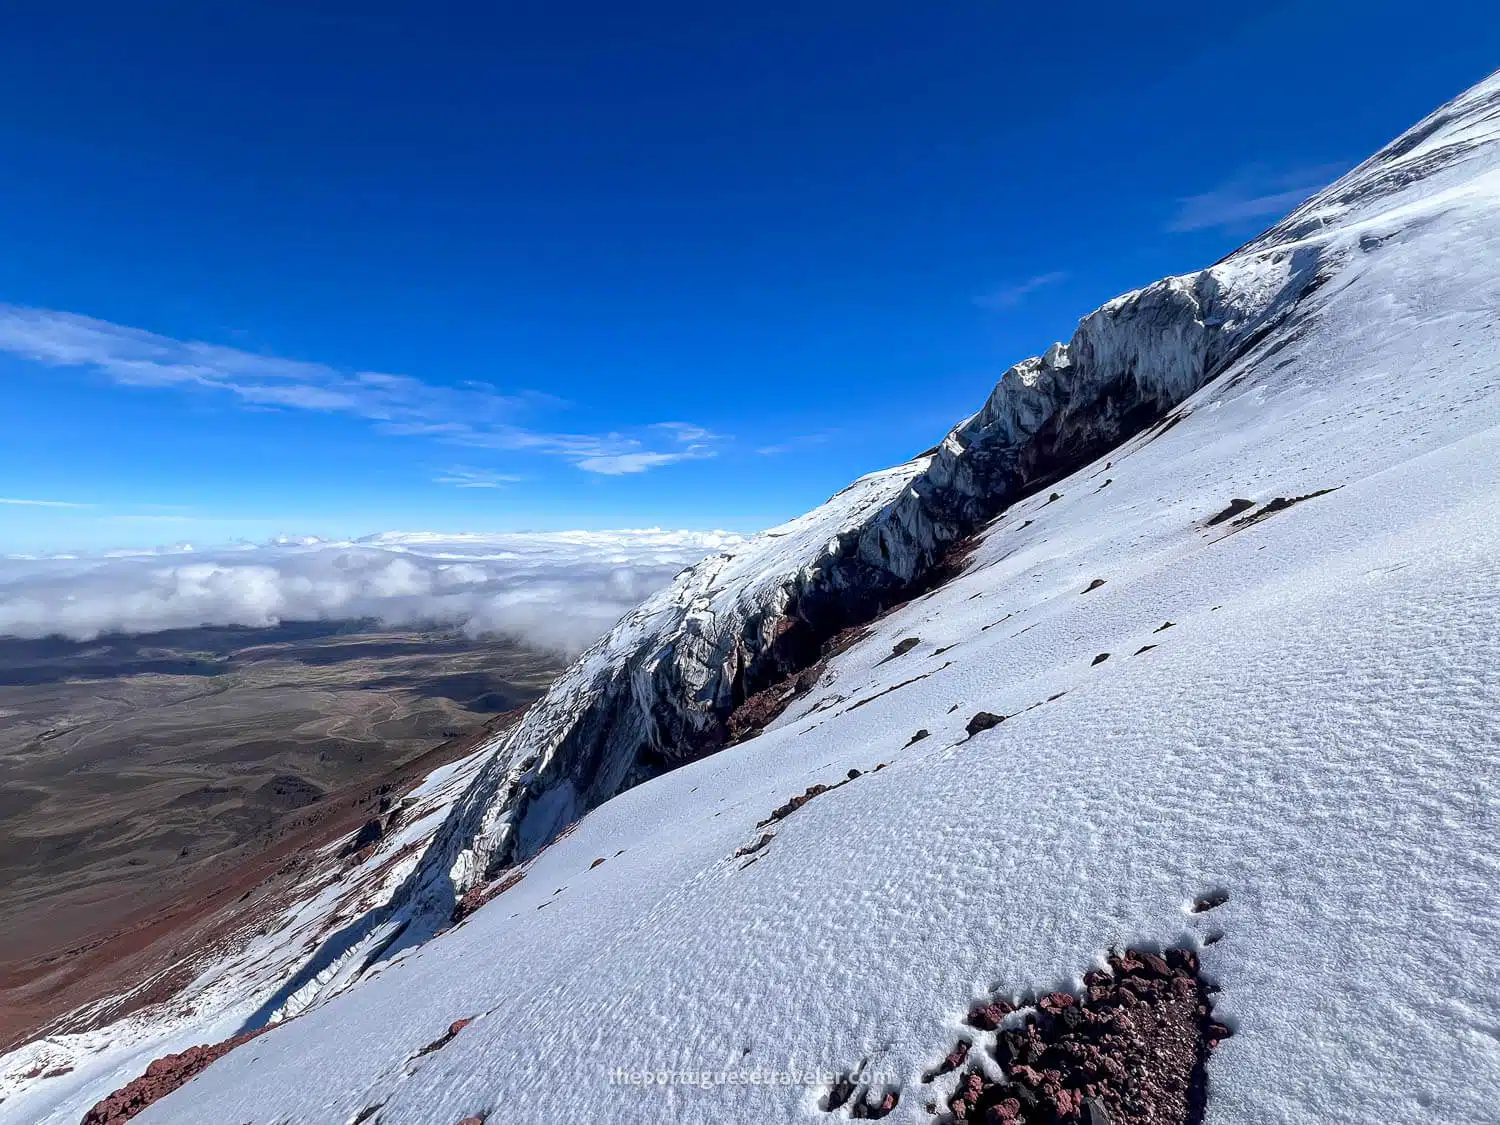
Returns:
point(134, 767)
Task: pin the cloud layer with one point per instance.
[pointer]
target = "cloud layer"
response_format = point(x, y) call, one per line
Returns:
point(473, 414)
point(558, 591)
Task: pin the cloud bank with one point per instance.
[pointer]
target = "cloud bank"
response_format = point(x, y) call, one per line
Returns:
point(473, 414)
point(557, 591)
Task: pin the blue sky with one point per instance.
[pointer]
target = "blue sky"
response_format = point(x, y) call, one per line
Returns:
point(328, 268)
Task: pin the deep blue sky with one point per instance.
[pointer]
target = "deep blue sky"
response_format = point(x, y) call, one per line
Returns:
point(809, 235)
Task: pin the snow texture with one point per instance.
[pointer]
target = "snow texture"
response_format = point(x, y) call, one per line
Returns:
point(1314, 735)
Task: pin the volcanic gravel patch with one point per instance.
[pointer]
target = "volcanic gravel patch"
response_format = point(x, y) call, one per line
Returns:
point(1132, 1050)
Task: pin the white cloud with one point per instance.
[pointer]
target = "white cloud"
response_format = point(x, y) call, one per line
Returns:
point(1252, 196)
point(42, 503)
point(475, 478)
point(1008, 296)
point(473, 413)
point(556, 590)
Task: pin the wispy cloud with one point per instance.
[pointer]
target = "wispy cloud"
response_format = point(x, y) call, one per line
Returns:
point(1252, 196)
point(43, 503)
point(1008, 296)
point(471, 413)
point(475, 478)
point(694, 444)
point(800, 441)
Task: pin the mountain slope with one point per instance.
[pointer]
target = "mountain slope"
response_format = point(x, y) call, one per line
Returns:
point(1292, 706)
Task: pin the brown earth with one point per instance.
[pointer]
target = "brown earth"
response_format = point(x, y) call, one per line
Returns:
point(94, 902)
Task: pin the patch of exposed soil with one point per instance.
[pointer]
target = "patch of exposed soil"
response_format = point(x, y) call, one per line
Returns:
point(161, 943)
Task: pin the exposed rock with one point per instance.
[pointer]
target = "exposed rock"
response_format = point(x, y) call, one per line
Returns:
point(921, 734)
point(786, 810)
point(1234, 509)
point(1094, 585)
point(1279, 504)
point(983, 720)
point(369, 834)
point(162, 1077)
point(902, 647)
point(475, 897)
point(751, 849)
point(1132, 1050)
point(1100, 659)
point(443, 1040)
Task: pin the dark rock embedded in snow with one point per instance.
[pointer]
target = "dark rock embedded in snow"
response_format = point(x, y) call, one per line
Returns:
point(751, 849)
point(1235, 508)
point(1094, 585)
point(983, 720)
point(902, 647)
point(1100, 659)
point(921, 734)
point(1279, 504)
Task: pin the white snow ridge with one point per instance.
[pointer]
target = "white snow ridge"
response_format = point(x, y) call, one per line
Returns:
point(1316, 736)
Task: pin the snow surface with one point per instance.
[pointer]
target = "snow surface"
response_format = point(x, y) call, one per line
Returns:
point(1316, 735)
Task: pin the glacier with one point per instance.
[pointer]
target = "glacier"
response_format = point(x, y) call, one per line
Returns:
point(1298, 710)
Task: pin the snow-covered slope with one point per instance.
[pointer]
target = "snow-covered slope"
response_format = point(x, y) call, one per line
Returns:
point(1314, 733)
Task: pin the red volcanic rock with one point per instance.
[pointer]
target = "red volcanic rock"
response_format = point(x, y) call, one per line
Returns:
point(162, 1077)
point(1132, 1050)
point(987, 1017)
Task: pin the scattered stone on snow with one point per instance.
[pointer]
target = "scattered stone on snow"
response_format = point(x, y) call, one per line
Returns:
point(1210, 901)
point(1100, 659)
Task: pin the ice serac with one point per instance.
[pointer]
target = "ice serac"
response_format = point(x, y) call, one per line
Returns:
point(658, 689)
